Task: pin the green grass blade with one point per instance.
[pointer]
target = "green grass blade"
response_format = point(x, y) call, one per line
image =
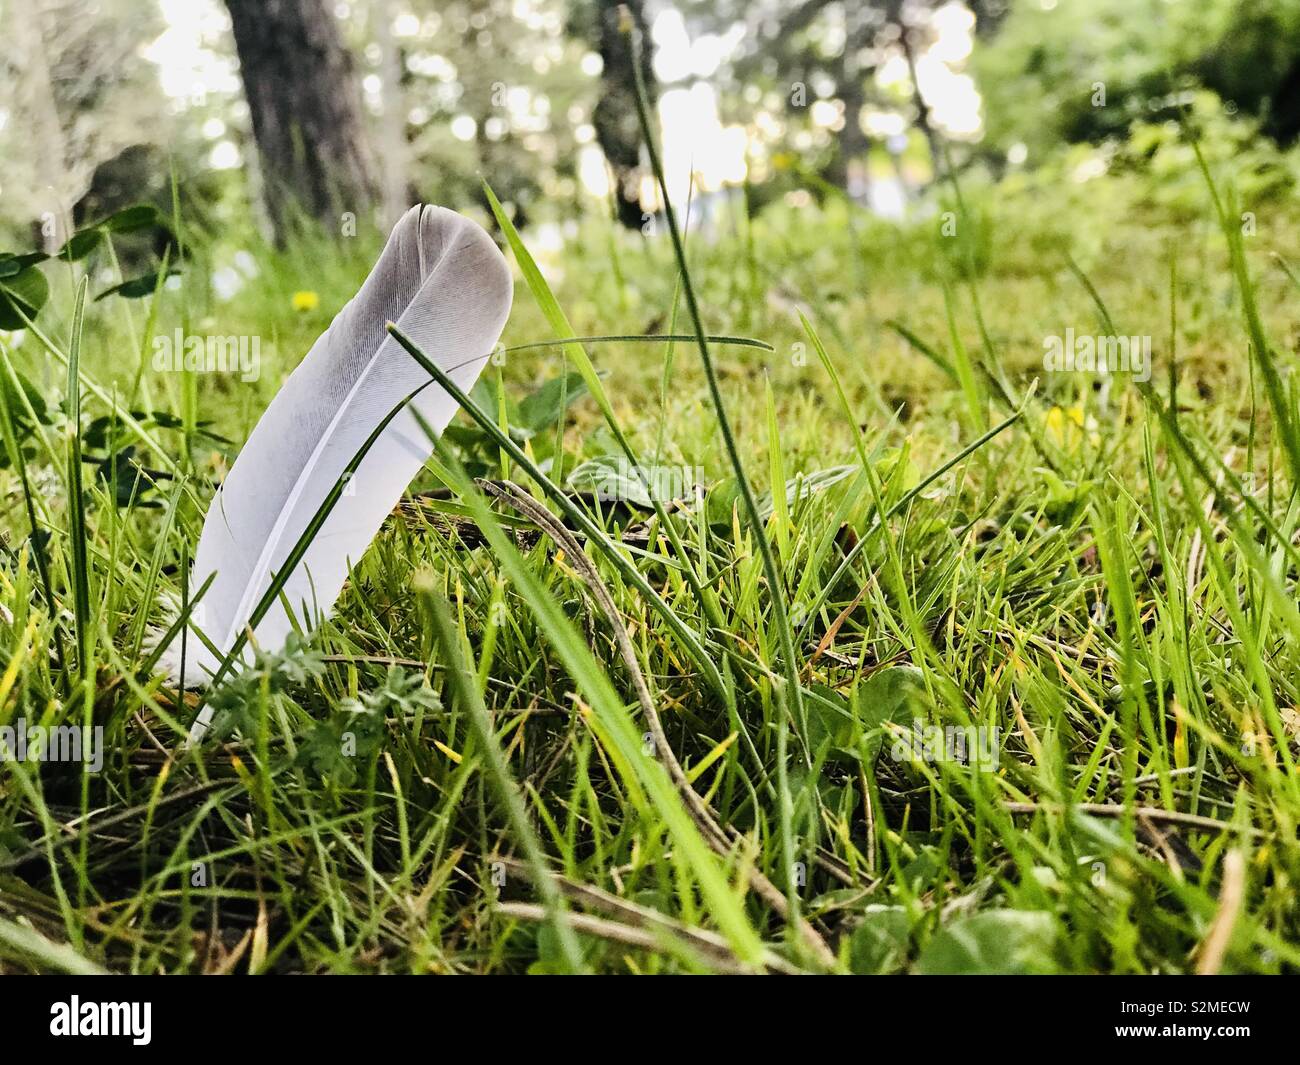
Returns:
point(462, 682)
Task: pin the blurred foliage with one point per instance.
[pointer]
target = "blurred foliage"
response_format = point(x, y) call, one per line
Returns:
point(790, 58)
point(74, 93)
point(515, 76)
point(1084, 70)
point(1150, 173)
point(1071, 90)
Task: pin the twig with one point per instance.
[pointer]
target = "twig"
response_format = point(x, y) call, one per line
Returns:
point(36, 850)
point(641, 938)
point(642, 917)
point(1152, 813)
point(1231, 893)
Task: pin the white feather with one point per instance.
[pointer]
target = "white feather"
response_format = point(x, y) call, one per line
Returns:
point(447, 286)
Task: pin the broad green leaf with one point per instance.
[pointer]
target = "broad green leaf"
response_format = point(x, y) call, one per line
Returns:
point(21, 298)
point(81, 244)
point(1009, 942)
point(137, 287)
point(547, 405)
point(130, 219)
point(881, 942)
point(830, 720)
point(893, 695)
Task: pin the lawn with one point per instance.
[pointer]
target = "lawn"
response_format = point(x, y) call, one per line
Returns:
point(1002, 679)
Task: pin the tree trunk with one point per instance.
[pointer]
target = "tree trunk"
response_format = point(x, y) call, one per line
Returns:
point(306, 112)
point(989, 15)
point(618, 131)
point(392, 124)
point(36, 95)
point(894, 13)
point(848, 166)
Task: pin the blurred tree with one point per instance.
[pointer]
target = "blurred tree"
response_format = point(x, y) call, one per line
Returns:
point(988, 15)
point(36, 99)
point(393, 147)
point(1255, 62)
point(494, 91)
point(306, 111)
point(74, 94)
point(138, 174)
point(608, 25)
point(825, 50)
point(905, 34)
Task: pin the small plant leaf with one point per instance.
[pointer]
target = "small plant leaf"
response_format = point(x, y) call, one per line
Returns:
point(1007, 942)
point(547, 405)
point(137, 287)
point(22, 295)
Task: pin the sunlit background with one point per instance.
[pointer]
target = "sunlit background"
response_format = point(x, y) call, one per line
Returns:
point(193, 62)
point(792, 101)
point(505, 90)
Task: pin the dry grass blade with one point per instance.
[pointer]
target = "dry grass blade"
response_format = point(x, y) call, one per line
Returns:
point(642, 917)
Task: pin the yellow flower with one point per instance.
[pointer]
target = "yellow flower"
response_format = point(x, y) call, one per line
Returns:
point(1068, 427)
point(305, 301)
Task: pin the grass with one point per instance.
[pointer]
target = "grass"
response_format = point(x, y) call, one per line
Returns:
point(546, 733)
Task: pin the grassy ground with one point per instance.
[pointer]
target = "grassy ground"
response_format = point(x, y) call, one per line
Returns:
point(1098, 584)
